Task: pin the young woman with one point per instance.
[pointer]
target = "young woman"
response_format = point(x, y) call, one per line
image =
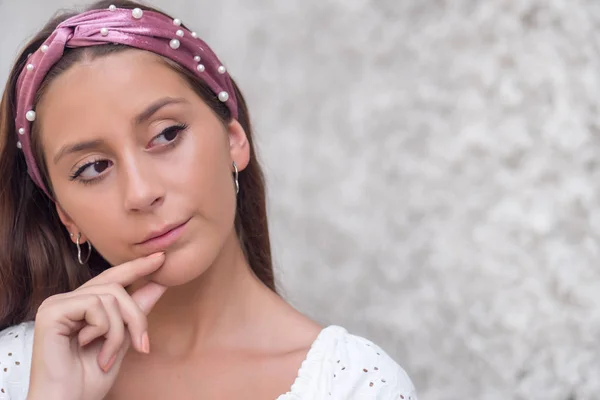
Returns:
point(132, 211)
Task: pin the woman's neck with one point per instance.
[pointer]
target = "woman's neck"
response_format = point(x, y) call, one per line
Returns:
point(226, 308)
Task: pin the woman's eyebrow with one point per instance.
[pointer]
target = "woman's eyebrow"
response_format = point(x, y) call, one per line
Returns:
point(77, 147)
point(154, 107)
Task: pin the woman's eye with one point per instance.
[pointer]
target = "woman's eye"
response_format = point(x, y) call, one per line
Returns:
point(92, 170)
point(169, 135)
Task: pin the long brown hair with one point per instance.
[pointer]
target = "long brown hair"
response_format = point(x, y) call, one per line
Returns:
point(37, 258)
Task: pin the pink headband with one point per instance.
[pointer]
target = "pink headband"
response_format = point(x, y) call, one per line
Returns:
point(144, 30)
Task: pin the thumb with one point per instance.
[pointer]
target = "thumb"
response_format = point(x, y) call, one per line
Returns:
point(148, 295)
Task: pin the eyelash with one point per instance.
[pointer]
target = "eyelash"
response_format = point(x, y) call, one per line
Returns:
point(180, 129)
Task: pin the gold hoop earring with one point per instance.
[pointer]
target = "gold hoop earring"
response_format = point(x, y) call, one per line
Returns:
point(82, 262)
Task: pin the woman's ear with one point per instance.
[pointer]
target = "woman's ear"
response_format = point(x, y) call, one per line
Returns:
point(239, 148)
point(70, 225)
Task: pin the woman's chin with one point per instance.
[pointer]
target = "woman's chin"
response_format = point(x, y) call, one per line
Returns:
point(178, 269)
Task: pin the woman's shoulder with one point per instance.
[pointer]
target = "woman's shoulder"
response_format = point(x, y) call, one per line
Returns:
point(341, 365)
point(16, 343)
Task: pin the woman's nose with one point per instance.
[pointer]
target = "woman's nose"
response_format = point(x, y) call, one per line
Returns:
point(143, 189)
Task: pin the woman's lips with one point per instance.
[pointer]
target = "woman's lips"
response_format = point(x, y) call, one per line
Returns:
point(164, 240)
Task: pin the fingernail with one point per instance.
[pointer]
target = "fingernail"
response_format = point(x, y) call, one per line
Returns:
point(109, 364)
point(145, 343)
point(156, 255)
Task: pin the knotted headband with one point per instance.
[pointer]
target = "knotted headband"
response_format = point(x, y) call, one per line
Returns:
point(146, 30)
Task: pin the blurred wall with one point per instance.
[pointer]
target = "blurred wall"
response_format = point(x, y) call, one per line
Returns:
point(432, 170)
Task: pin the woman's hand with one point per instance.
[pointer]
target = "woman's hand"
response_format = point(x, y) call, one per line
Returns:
point(81, 337)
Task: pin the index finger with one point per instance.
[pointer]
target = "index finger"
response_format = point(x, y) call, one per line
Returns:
point(127, 273)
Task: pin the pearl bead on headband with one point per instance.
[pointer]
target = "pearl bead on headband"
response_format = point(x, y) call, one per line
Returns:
point(145, 30)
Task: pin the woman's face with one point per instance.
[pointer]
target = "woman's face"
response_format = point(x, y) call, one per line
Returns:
point(133, 152)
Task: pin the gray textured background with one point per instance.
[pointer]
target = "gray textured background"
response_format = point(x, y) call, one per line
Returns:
point(432, 168)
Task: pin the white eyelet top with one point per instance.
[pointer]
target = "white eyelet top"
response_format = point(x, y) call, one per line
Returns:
point(338, 366)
